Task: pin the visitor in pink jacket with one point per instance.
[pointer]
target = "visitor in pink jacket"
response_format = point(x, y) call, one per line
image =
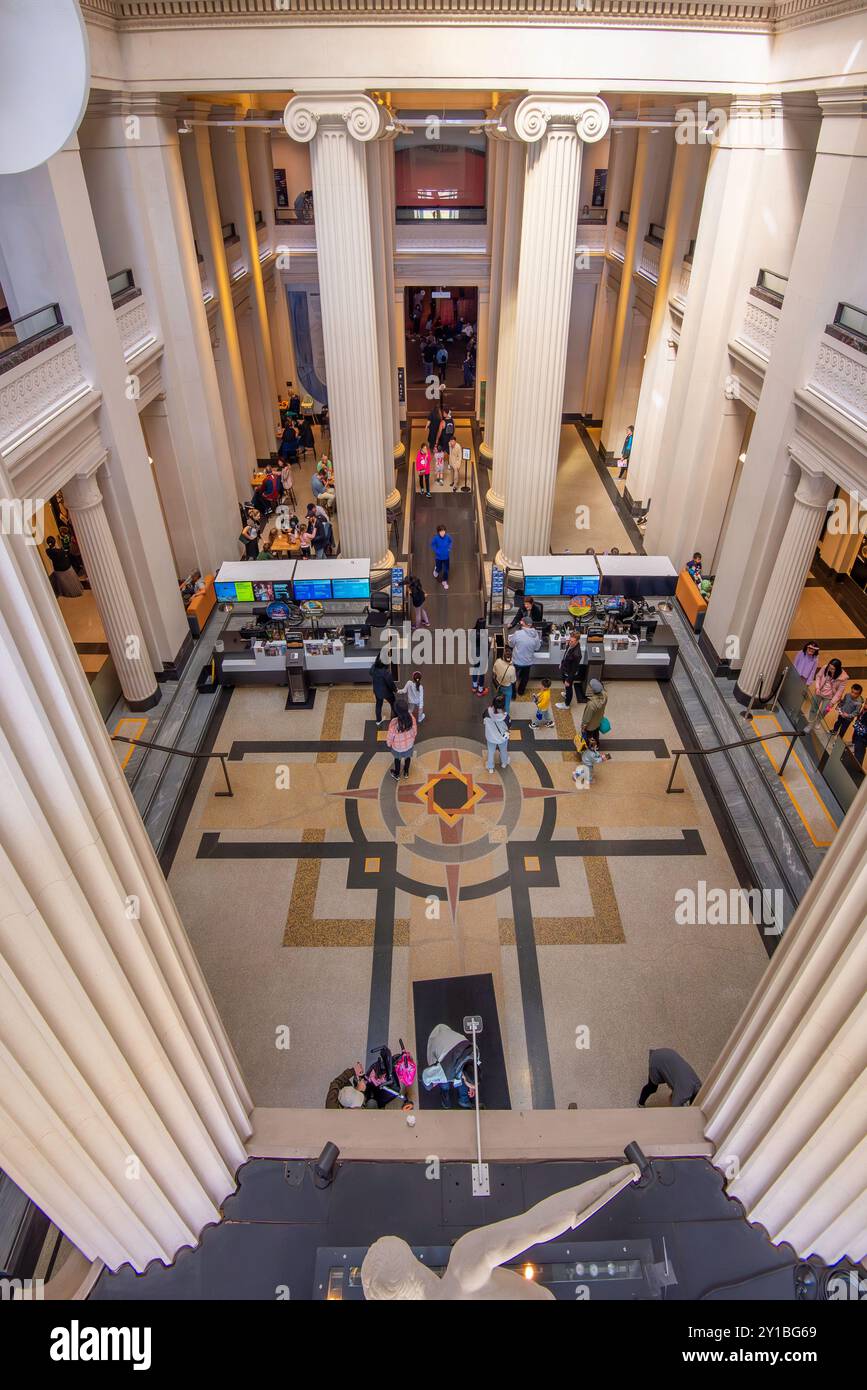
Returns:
point(826, 689)
point(422, 468)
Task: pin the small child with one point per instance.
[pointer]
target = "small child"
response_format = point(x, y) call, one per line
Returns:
point(848, 707)
point(588, 752)
point(542, 700)
point(414, 692)
point(439, 465)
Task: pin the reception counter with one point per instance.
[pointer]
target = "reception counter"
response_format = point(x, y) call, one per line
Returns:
point(326, 661)
point(622, 657)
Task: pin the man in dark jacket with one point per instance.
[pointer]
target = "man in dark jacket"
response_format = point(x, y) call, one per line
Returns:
point(668, 1068)
point(384, 686)
point(573, 670)
point(527, 608)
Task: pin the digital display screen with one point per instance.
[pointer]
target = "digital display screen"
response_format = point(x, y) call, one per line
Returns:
point(542, 583)
point(306, 589)
point(243, 591)
point(580, 584)
point(225, 591)
point(281, 590)
point(263, 591)
point(350, 588)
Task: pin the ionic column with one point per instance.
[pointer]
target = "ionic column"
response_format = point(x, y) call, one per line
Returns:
point(785, 1103)
point(337, 128)
point(513, 155)
point(124, 1113)
point(687, 176)
point(649, 158)
point(381, 215)
point(201, 184)
point(809, 510)
point(553, 128)
point(113, 599)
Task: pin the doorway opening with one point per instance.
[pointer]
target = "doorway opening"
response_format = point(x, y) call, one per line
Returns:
point(441, 331)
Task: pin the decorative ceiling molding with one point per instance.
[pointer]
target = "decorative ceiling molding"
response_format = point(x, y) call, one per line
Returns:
point(772, 16)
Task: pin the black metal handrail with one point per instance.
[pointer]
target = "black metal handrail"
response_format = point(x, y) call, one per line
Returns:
point(725, 747)
point(182, 752)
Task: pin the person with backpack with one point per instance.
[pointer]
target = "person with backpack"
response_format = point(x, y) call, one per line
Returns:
point(859, 737)
point(422, 468)
point(384, 685)
point(446, 431)
point(594, 711)
point(401, 737)
point(505, 676)
point(442, 361)
point(479, 652)
point(625, 452)
point(417, 598)
point(441, 545)
point(497, 725)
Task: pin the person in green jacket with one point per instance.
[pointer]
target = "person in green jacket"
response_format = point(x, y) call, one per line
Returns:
point(594, 710)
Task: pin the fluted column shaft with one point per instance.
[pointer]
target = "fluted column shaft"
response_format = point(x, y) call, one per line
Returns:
point(553, 127)
point(383, 294)
point(498, 166)
point(785, 1103)
point(124, 1114)
point(513, 155)
point(337, 128)
point(113, 599)
point(786, 584)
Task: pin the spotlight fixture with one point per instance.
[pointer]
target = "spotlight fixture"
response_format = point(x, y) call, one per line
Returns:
point(633, 1154)
point(323, 1168)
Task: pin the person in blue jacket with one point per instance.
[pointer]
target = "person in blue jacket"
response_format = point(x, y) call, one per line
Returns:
point(441, 545)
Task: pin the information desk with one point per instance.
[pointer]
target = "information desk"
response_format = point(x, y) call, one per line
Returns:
point(560, 578)
point(625, 657)
point(637, 576)
point(254, 581)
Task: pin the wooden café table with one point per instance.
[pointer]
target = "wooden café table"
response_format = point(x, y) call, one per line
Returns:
point(282, 545)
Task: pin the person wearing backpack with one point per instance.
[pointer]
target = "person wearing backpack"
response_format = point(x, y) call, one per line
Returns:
point(497, 724)
point(859, 737)
point(401, 737)
point(417, 598)
point(446, 431)
point(441, 545)
point(505, 675)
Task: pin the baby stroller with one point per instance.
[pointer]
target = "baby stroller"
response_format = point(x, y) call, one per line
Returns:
point(391, 1073)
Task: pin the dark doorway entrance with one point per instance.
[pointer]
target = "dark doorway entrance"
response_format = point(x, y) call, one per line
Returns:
point(441, 327)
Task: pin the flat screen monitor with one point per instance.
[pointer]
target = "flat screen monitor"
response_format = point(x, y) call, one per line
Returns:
point(350, 588)
point(243, 591)
point(263, 592)
point(281, 591)
point(225, 591)
point(538, 584)
point(574, 584)
point(307, 589)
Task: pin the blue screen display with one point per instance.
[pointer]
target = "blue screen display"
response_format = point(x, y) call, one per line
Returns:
point(350, 588)
point(305, 589)
point(580, 584)
point(542, 583)
point(281, 589)
point(225, 591)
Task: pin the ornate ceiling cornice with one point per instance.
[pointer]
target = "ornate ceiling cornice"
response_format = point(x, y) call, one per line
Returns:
point(772, 16)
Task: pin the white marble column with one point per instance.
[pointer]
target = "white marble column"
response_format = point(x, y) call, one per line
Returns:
point(51, 253)
point(201, 184)
point(553, 128)
point(650, 161)
point(786, 584)
point(497, 157)
point(113, 599)
point(338, 127)
point(386, 153)
point(143, 221)
point(381, 215)
point(514, 157)
point(786, 1102)
point(124, 1113)
point(687, 178)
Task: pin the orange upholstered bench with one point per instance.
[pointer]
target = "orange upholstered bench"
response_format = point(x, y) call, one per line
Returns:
point(689, 597)
point(201, 606)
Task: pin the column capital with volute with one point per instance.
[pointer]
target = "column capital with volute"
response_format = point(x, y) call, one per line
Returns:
point(533, 116)
point(363, 118)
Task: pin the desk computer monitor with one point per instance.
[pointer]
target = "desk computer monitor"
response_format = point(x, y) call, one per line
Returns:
point(536, 585)
point(225, 590)
point(311, 589)
point(350, 588)
point(580, 584)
